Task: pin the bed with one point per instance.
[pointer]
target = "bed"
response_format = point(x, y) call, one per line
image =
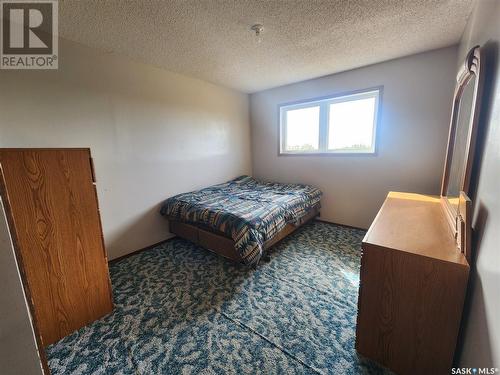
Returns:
point(243, 217)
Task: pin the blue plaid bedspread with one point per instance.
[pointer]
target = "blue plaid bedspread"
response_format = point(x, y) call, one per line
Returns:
point(245, 209)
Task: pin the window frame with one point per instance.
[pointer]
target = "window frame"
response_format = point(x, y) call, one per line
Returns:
point(324, 113)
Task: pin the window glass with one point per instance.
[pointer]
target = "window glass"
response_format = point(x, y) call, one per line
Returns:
point(302, 129)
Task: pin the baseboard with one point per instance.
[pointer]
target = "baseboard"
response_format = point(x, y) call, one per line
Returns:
point(171, 238)
point(341, 225)
point(141, 250)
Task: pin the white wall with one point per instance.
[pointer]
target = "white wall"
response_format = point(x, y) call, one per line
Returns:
point(480, 344)
point(152, 133)
point(18, 349)
point(412, 135)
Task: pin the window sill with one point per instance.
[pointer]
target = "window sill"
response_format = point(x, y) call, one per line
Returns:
point(342, 153)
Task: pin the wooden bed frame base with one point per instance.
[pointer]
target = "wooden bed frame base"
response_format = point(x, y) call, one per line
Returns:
point(222, 245)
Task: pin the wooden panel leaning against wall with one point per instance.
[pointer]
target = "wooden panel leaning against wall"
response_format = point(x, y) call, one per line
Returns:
point(53, 214)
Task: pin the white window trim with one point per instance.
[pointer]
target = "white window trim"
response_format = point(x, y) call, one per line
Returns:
point(323, 104)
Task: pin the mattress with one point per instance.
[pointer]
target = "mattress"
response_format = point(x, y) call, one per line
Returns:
point(248, 210)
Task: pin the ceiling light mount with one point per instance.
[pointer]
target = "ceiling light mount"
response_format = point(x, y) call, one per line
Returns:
point(258, 29)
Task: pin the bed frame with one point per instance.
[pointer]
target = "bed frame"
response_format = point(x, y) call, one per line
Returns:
point(219, 243)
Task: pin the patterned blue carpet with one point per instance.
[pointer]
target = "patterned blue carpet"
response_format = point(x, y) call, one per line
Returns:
point(179, 309)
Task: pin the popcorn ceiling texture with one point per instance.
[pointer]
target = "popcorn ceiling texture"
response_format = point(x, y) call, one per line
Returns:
point(305, 39)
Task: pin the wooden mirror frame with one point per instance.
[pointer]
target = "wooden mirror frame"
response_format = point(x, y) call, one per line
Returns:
point(472, 67)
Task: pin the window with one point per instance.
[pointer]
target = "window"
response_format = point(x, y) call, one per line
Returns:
point(340, 124)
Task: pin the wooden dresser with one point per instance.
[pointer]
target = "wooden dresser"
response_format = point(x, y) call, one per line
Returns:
point(412, 287)
point(51, 206)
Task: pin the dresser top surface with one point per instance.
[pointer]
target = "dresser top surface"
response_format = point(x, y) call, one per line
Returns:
point(414, 223)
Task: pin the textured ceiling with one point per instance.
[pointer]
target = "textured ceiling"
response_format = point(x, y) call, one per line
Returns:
point(211, 40)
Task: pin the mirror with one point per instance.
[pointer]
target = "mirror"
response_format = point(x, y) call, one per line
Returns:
point(457, 165)
point(462, 134)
